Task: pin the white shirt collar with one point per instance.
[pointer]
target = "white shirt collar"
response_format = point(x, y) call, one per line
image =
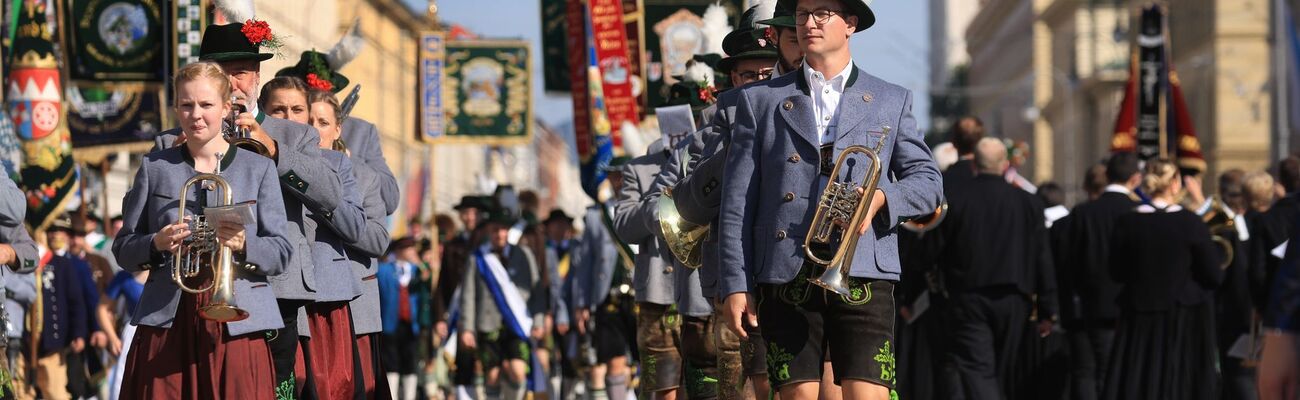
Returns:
point(837, 82)
point(1117, 188)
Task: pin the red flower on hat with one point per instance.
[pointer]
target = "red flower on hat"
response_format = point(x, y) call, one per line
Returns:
point(257, 31)
point(319, 84)
point(769, 34)
point(708, 94)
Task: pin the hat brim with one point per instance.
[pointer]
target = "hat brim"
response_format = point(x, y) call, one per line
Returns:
point(337, 80)
point(859, 8)
point(786, 21)
point(236, 56)
point(727, 64)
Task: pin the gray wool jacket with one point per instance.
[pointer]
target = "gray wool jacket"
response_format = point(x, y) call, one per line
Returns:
point(153, 203)
point(366, 250)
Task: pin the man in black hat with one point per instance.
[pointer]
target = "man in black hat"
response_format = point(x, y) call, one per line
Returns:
point(785, 135)
point(65, 316)
point(601, 294)
point(307, 179)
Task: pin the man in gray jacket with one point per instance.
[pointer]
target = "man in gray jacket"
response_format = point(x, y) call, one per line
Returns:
point(784, 137)
point(19, 256)
point(601, 295)
point(483, 327)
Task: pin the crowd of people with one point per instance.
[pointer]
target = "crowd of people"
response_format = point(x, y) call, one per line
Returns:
point(735, 260)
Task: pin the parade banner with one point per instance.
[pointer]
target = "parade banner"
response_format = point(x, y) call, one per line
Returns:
point(116, 40)
point(555, 60)
point(105, 118)
point(48, 175)
point(1153, 120)
point(433, 52)
point(634, 23)
point(591, 168)
point(575, 17)
point(682, 21)
point(487, 92)
point(609, 36)
point(188, 19)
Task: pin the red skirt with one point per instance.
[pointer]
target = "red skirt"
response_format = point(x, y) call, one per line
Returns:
point(330, 350)
point(375, 384)
point(197, 359)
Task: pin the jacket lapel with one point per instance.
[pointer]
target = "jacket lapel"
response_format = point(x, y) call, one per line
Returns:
point(797, 110)
point(854, 105)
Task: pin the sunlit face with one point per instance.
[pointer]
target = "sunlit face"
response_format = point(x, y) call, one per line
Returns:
point(245, 77)
point(827, 37)
point(323, 118)
point(200, 108)
point(287, 104)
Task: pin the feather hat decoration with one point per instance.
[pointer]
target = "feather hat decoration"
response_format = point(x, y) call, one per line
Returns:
point(236, 10)
point(715, 28)
point(348, 47)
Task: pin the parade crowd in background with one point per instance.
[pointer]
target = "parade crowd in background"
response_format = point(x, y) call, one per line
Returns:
point(253, 258)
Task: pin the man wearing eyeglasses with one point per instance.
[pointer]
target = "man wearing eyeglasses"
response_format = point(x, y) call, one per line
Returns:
point(784, 135)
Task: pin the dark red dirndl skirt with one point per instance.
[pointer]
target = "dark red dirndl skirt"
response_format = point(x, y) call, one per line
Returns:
point(330, 350)
point(197, 359)
point(373, 382)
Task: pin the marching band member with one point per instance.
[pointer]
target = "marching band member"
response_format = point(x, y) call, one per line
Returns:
point(773, 183)
point(1088, 291)
point(658, 322)
point(176, 354)
point(306, 180)
point(993, 281)
point(499, 333)
point(18, 256)
point(1166, 265)
point(361, 136)
point(331, 347)
point(599, 296)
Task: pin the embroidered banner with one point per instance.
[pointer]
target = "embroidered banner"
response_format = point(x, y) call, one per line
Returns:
point(609, 37)
point(113, 40)
point(110, 117)
point(487, 92)
point(433, 52)
point(34, 100)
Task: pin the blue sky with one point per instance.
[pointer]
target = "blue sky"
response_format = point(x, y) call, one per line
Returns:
point(895, 49)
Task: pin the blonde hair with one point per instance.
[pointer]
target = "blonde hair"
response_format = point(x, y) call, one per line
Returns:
point(1158, 177)
point(199, 70)
point(1259, 189)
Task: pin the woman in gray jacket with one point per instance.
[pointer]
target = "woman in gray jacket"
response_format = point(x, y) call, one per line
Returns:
point(175, 353)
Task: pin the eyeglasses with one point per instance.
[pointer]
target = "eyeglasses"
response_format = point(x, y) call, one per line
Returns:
point(820, 16)
point(760, 75)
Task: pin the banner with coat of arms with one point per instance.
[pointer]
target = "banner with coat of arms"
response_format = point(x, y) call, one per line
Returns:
point(487, 92)
point(35, 105)
point(113, 40)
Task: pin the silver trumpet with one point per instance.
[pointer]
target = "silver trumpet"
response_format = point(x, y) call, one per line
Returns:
point(843, 204)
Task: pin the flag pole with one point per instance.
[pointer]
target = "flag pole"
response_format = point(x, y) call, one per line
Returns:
point(1282, 131)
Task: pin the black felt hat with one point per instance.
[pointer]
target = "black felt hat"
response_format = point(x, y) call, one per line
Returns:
point(558, 215)
point(783, 17)
point(314, 62)
point(472, 201)
point(748, 42)
point(866, 18)
point(229, 43)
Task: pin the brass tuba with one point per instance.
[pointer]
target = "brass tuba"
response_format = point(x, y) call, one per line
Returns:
point(842, 205)
point(683, 237)
point(239, 136)
point(202, 249)
point(928, 222)
point(1223, 226)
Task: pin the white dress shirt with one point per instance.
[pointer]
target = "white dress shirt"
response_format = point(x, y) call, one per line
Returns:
point(826, 94)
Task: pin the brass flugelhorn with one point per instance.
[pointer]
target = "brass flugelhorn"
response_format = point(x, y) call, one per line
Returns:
point(843, 204)
point(204, 249)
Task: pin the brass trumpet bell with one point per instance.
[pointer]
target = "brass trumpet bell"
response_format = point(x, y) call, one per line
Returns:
point(684, 238)
point(928, 222)
point(1223, 225)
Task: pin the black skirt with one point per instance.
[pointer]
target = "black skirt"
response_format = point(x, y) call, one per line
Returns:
point(1165, 355)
